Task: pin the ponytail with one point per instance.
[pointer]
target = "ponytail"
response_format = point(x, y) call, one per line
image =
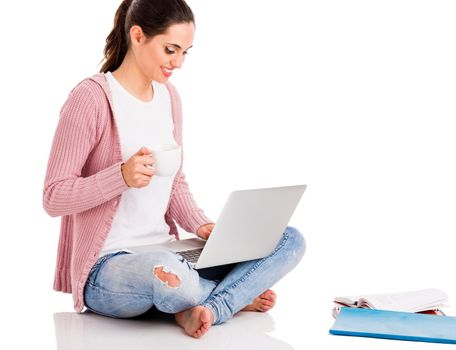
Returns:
point(117, 41)
point(153, 16)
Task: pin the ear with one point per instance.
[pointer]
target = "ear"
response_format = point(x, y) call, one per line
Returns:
point(136, 35)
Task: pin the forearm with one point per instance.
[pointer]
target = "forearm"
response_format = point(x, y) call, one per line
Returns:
point(75, 195)
point(184, 209)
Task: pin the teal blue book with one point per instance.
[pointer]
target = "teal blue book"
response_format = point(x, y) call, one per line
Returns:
point(395, 325)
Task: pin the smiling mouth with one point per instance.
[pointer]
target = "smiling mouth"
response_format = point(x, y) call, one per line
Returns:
point(166, 71)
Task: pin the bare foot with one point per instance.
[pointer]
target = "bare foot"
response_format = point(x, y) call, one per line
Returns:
point(195, 321)
point(262, 303)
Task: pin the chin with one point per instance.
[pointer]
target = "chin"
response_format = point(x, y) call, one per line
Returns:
point(162, 79)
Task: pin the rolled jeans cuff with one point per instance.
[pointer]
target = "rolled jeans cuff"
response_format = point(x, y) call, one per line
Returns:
point(211, 306)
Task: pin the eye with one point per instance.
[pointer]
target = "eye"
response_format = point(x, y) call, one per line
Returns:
point(168, 51)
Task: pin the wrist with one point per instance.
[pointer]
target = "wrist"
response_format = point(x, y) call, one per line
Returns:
point(123, 175)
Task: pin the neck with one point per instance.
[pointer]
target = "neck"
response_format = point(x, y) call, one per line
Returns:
point(133, 80)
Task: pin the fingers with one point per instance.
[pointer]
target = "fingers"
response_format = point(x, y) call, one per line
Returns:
point(208, 228)
point(143, 151)
point(147, 160)
point(204, 234)
point(143, 178)
point(138, 170)
point(144, 157)
point(205, 231)
point(143, 165)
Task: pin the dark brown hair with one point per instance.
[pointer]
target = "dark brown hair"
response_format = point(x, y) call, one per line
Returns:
point(153, 16)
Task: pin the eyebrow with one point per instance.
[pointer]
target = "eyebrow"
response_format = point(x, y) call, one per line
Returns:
point(179, 46)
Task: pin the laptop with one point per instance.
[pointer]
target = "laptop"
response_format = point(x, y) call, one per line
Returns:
point(249, 227)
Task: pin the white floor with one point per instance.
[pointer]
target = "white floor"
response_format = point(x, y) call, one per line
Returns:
point(246, 330)
point(90, 331)
point(301, 319)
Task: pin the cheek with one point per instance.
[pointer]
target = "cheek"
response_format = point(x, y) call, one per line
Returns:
point(151, 61)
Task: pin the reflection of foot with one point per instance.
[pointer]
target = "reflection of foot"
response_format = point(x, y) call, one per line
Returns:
point(195, 321)
point(262, 303)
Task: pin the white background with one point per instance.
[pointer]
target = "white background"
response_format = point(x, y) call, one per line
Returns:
point(356, 99)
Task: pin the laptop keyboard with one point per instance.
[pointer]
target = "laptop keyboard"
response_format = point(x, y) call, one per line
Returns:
point(191, 255)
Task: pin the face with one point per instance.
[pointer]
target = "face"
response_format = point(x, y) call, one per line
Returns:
point(156, 57)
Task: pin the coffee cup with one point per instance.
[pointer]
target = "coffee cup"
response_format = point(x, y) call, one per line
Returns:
point(167, 159)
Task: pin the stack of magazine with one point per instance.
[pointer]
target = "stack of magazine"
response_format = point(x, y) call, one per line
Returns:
point(427, 301)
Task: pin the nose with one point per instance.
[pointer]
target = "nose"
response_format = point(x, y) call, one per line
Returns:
point(178, 61)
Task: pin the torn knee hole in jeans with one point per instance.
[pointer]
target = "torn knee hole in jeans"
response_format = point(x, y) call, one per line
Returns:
point(168, 278)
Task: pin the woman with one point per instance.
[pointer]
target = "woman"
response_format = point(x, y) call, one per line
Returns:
point(101, 180)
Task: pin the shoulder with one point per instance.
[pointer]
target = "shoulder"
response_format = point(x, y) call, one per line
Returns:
point(86, 103)
point(90, 88)
point(89, 94)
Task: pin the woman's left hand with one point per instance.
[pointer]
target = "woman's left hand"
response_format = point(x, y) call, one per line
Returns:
point(205, 231)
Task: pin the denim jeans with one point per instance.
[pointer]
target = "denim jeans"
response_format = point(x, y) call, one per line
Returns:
point(125, 285)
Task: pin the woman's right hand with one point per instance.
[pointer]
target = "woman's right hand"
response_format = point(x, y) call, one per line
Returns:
point(136, 171)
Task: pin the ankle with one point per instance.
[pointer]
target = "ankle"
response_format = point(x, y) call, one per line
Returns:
point(211, 312)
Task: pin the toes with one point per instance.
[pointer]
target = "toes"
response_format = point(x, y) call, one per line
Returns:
point(263, 308)
point(272, 294)
point(269, 295)
point(200, 332)
point(267, 303)
point(265, 294)
point(262, 303)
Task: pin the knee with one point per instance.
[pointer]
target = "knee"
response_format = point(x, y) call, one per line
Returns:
point(176, 285)
point(168, 278)
point(156, 268)
point(181, 297)
point(296, 241)
point(166, 269)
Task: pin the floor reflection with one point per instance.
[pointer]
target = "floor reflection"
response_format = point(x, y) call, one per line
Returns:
point(90, 331)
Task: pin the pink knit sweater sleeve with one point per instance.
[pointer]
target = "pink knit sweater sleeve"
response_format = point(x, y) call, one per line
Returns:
point(66, 190)
point(184, 209)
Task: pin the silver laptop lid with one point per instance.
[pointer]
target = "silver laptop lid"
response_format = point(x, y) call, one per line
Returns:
point(250, 225)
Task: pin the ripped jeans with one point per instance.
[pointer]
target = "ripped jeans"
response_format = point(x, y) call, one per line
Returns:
point(124, 285)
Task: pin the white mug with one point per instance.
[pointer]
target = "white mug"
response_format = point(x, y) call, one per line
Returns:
point(167, 159)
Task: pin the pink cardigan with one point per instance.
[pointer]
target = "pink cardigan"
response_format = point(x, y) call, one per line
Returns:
point(84, 182)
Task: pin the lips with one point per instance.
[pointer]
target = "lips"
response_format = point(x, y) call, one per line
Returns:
point(167, 71)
